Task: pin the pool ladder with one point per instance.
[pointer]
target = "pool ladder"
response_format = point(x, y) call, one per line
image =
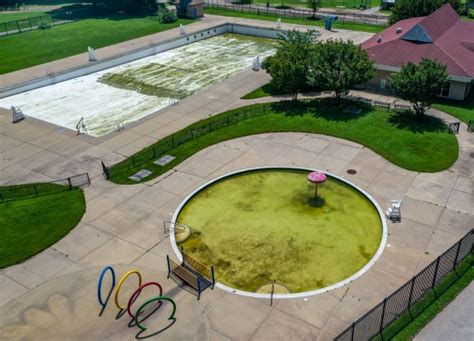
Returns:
point(169, 226)
point(81, 127)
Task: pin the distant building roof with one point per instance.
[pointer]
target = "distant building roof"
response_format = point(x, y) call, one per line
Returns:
point(442, 36)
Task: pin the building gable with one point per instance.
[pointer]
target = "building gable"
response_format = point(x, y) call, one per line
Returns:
point(417, 34)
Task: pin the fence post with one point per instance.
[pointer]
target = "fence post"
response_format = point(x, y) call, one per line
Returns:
point(382, 318)
point(31, 26)
point(411, 295)
point(18, 25)
point(213, 277)
point(70, 183)
point(271, 295)
point(6, 29)
point(435, 275)
point(105, 170)
point(457, 255)
point(353, 331)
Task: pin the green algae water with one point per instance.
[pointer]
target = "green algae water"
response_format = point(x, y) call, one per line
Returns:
point(262, 226)
point(182, 71)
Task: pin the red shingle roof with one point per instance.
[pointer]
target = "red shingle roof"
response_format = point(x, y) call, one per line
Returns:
point(442, 36)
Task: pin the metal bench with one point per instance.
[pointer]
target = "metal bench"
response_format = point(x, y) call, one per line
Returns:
point(453, 127)
point(191, 273)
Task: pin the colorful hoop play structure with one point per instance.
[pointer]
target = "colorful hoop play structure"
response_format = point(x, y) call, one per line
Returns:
point(159, 298)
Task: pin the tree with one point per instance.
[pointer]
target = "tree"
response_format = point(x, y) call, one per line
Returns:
point(313, 5)
point(404, 9)
point(420, 84)
point(339, 66)
point(289, 65)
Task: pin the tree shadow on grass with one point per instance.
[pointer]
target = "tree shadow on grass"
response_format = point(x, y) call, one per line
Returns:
point(328, 109)
point(407, 120)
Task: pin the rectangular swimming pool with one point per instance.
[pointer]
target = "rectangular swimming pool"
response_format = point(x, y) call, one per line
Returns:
point(131, 91)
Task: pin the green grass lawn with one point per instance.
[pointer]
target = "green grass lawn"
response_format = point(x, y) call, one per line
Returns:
point(308, 22)
point(5, 17)
point(263, 91)
point(462, 110)
point(29, 226)
point(423, 146)
point(27, 49)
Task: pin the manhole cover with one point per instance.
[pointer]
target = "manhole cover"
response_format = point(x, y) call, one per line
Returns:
point(351, 171)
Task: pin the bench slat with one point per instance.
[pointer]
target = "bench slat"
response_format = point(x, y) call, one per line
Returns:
point(186, 276)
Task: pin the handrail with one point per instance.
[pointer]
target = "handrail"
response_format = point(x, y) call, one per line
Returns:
point(167, 229)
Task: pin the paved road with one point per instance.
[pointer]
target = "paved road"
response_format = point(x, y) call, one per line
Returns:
point(455, 322)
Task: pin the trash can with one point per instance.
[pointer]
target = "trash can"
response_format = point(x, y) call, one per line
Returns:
point(329, 20)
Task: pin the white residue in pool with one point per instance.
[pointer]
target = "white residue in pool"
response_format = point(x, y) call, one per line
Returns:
point(128, 92)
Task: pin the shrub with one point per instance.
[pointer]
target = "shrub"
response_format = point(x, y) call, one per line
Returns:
point(165, 16)
point(43, 25)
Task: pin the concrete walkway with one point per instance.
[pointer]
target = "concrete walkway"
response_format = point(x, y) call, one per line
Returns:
point(455, 322)
point(123, 224)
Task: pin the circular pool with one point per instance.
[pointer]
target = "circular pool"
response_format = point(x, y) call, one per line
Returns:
point(264, 225)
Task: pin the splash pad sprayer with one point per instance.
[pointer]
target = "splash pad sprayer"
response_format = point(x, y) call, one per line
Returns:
point(316, 178)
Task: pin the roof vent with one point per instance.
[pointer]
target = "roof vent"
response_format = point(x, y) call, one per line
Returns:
point(379, 39)
point(399, 30)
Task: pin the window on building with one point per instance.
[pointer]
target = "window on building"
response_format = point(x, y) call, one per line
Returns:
point(445, 89)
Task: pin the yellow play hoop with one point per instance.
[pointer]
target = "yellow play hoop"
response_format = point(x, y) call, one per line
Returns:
point(119, 286)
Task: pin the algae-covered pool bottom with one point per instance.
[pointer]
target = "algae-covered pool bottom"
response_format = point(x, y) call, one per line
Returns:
point(261, 226)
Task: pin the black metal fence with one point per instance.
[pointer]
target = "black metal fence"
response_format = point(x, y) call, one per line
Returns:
point(194, 131)
point(300, 13)
point(346, 3)
point(203, 127)
point(409, 300)
point(29, 24)
point(17, 192)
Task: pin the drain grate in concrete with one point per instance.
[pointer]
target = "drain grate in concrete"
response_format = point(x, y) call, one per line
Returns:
point(164, 160)
point(140, 175)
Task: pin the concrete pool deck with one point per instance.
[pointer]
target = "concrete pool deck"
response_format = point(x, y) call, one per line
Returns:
point(123, 224)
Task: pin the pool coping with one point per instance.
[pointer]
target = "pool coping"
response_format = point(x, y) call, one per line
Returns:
point(348, 280)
